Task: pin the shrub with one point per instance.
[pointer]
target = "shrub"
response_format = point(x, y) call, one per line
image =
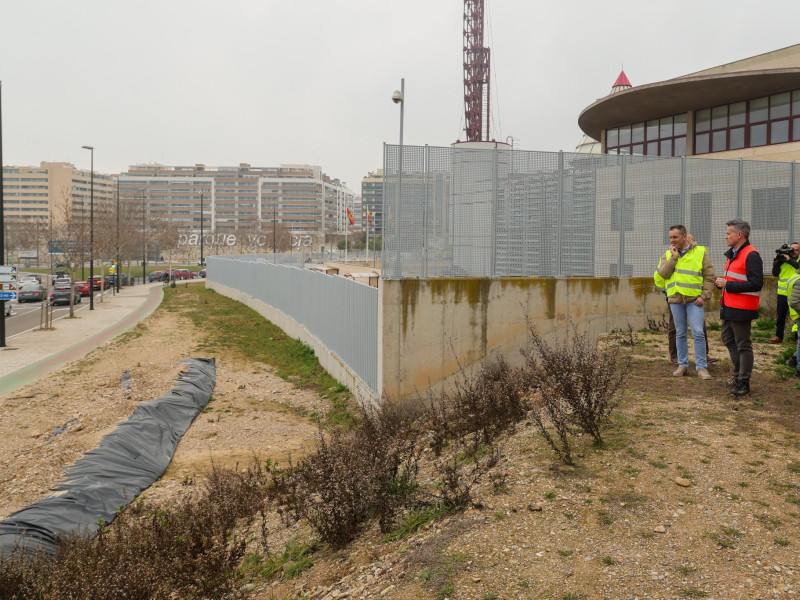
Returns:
point(578, 383)
point(479, 407)
point(355, 475)
point(189, 549)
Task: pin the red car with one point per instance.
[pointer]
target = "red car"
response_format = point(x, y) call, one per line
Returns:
point(82, 287)
point(97, 280)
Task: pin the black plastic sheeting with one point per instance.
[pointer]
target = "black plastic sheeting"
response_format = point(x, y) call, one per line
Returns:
point(127, 461)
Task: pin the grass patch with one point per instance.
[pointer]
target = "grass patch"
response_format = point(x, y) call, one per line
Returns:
point(290, 563)
point(415, 520)
point(232, 326)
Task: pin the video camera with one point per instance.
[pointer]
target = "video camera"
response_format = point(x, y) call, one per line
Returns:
point(785, 249)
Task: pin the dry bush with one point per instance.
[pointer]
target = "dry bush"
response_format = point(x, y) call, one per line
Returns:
point(355, 475)
point(578, 382)
point(461, 471)
point(186, 550)
point(479, 407)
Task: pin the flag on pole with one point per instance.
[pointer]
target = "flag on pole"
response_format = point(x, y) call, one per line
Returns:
point(369, 217)
point(350, 217)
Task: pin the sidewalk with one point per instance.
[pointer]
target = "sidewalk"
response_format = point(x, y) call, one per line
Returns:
point(34, 354)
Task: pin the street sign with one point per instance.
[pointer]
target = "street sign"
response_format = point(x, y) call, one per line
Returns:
point(8, 277)
point(8, 295)
point(6, 269)
point(8, 287)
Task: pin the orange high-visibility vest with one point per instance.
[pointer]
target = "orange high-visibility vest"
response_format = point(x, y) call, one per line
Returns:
point(735, 270)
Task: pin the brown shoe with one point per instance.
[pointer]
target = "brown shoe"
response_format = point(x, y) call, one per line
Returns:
point(776, 340)
point(680, 372)
point(703, 374)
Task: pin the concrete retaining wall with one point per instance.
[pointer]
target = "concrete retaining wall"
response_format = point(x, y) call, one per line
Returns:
point(429, 326)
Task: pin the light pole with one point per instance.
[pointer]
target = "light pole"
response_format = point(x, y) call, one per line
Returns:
point(399, 97)
point(144, 238)
point(118, 266)
point(202, 260)
point(91, 232)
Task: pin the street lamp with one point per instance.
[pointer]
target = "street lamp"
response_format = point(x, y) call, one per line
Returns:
point(399, 97)
point(144, 237)
point(91, 231)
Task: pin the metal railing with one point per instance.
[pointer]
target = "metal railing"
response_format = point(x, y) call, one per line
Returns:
point(492, 213)
point(342, 314)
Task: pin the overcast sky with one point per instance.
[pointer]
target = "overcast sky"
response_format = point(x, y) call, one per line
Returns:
point(310, 81)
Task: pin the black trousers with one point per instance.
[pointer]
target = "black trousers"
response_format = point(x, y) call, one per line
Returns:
point(736, 337)
point(783, 310)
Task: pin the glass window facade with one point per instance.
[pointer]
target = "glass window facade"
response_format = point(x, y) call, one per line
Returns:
point(658, 137)
point(758, 122)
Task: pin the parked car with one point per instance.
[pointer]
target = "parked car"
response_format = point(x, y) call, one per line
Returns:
point(31, 292)
point(97, 280)
point(203, 273)
point(31, 278)
point(182, 274)
point(62, 282)
point(123, 279)
point(82, 287)
point(61, 295)
point(155, 276)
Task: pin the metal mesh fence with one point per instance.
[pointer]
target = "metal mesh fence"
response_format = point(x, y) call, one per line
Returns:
point(490, 213)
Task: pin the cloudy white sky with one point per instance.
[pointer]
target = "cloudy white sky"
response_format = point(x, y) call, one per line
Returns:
point(310, 81)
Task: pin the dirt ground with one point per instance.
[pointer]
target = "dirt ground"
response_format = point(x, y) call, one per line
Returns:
point(694, 495)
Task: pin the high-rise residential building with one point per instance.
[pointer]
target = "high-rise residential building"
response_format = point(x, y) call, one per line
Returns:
point(238, 199)
point(35, 194)
point(372, 201)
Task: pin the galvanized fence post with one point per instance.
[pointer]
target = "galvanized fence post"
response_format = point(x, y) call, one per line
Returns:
point(426, 185)
point(622, 192)
point(493, 206)
point(792, 191)
point(739, 190)
point(560, 216)
point(683, 192)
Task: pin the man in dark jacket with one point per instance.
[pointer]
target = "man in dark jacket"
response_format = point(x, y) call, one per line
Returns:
point(741, 283)
point(784, 266)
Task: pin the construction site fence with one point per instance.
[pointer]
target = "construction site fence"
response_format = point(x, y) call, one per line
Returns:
point(452, 212)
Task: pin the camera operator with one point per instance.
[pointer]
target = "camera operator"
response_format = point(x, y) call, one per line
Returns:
point(784, 266)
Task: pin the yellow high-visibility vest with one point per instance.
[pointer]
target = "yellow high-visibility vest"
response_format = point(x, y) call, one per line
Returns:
point(661, 283)
point(687, 279)
point(787, 271)
point(789, 285)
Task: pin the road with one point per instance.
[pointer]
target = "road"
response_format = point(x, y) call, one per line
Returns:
point(27, 316)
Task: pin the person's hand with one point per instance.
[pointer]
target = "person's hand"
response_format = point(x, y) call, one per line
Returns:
point(674, 250)
point(699, 301)
point(720, 282)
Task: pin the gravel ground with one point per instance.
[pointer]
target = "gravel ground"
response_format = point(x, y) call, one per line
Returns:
point(695, 495)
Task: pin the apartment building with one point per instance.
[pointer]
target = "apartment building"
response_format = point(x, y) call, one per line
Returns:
point(372, 201)
point(238, 199)
point(35, 194)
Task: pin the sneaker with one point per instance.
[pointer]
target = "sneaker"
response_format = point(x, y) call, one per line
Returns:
point(680, 372)
point(776, 340)
point(733, 382)
point(703, 374)
point(792, 362)
point(742, 389)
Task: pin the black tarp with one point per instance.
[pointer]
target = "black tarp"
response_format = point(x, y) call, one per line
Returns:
point(112, 475)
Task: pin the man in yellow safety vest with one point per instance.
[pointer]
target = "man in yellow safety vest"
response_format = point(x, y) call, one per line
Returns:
point(784, 266)
point(793, 288)
point(688, 277)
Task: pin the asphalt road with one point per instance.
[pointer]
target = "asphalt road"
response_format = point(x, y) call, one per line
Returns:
point(27, 316)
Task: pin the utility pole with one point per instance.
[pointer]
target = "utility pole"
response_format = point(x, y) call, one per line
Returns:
point(202, 260)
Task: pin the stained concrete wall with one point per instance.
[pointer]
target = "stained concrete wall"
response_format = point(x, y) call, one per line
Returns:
point(430, 326)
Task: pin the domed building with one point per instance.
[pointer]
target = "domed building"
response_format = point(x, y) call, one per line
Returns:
point(745, 109)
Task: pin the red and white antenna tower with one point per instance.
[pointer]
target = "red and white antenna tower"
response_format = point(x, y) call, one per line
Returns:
point(476, 73)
